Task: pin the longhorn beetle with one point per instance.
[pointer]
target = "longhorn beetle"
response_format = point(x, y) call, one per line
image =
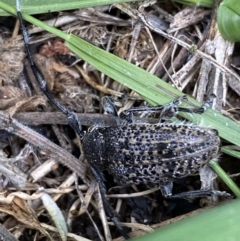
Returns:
point(137, 153)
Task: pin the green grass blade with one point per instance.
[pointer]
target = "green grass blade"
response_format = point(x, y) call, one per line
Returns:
point(220, 223)
point(229, 20)
point(203, 3)
point(227, 180)
point(231, 152)
point(150, 87)
point(45, 6)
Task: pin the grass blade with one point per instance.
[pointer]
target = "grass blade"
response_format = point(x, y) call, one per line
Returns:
point(46, 6)
point(203, 3)
point(220, 223)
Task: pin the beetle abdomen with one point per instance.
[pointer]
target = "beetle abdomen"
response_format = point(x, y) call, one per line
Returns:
point(138, 153)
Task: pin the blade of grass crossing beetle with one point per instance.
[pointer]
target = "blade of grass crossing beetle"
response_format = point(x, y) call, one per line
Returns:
point(227, 128)
point(149, 86)
point(231, 152)
point(144, 83)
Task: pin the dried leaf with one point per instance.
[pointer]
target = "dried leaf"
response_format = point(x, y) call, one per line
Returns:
point(56, 215)
point(14, 174)
point(50, 67)
point(9, 96)
point(11, 59)
point(188, 16)
point(50, 49)
point(9, 168)
point(63, 69)
point(20, 210)
point(45, 65)
point(27, 104)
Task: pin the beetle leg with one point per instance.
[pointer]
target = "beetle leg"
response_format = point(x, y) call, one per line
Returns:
point(171, 109)
point(108, 106)
point(193, 194)
point(166, 189)
point(200, 193)
point(100, 180)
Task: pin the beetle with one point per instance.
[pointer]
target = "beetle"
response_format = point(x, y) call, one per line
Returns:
point(159, 153)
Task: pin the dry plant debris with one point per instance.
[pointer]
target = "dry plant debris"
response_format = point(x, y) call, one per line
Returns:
point(162, 38)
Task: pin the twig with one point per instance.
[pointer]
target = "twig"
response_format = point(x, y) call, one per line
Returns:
point(84, 207)
point(14, 127)
point(48, 118)
point(102, 215)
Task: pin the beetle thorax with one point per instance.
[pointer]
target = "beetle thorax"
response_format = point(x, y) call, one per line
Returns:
point(93, 148)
